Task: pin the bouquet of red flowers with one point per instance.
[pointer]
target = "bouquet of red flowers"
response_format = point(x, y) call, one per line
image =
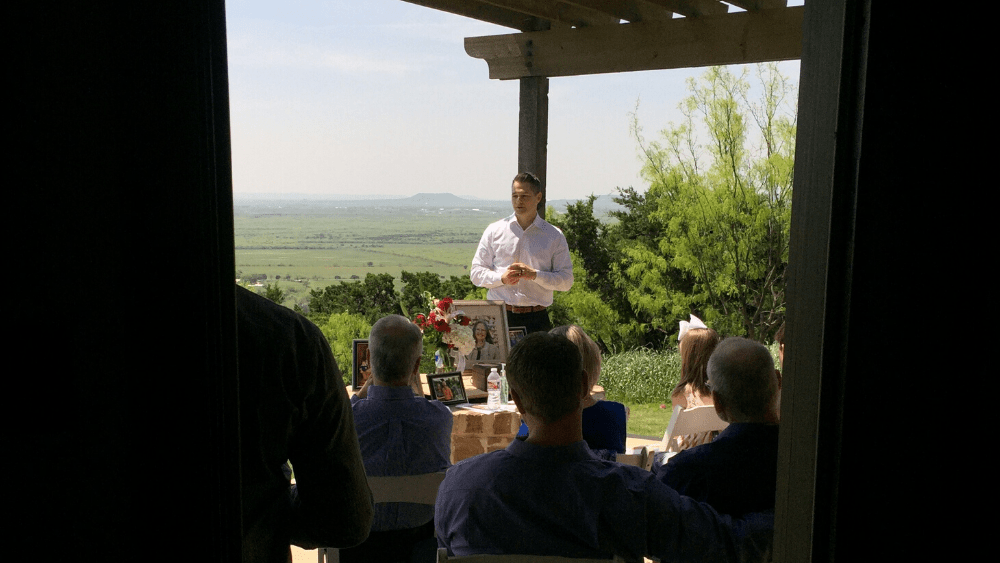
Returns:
point(453, 325)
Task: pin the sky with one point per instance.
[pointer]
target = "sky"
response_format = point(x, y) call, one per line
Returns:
point(377, 98)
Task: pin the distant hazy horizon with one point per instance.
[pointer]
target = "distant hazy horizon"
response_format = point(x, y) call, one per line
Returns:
point(344, 99)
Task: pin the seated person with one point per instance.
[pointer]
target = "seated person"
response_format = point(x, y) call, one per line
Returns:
point(604, 422)
point(695, 343)
point(399, 434)
point(736, 472)
point(548, 494)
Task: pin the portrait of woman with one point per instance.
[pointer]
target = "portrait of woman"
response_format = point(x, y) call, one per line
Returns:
point(486, 349)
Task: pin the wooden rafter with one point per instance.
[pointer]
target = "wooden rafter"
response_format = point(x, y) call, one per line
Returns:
point(483, 11)
point(692, 8)
point(736, 38)
point(569, 13)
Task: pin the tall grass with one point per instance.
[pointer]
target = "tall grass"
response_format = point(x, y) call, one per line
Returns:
point(641, 376)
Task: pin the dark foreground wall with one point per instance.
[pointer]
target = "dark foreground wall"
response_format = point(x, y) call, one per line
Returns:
point(122, 422)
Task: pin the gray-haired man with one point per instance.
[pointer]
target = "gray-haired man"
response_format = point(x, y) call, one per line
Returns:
point(736, 472)
point(400, 434)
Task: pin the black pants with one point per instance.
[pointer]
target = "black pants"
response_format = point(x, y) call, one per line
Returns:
point(412, 544)
point(534, 322)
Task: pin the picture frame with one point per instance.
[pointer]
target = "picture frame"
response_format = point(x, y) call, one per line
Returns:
point(449, 387)
point(360, 369)
point(492, 315)
point(516, 334)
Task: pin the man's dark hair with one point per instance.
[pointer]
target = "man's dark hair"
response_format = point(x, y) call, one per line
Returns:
point(546, 372)
point(528, 179)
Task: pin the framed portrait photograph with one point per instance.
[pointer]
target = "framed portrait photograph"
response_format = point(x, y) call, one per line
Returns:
point(361, 370)
point(447, 387)
point(489, 328)
point(517, 333)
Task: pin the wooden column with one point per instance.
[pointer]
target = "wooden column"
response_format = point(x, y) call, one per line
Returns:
point(533, 130)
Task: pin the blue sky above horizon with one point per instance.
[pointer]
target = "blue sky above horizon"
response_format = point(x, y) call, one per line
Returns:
point(379, 98)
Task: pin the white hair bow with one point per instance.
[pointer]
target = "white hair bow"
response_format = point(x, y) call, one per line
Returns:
point(686, 326)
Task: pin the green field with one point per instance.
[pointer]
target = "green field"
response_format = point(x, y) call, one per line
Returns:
point(309, 247)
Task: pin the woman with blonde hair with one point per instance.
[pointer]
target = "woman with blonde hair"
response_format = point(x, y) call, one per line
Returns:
point(604, 422)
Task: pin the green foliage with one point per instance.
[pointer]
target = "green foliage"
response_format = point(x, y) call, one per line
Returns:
point(341, 329)
point(641, 376)
point(373, 298)
point(719, 213)
point(589, 309)
point(415, 284)
point(274, 293)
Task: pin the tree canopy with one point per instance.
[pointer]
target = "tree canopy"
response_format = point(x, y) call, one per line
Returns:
point(710, 234)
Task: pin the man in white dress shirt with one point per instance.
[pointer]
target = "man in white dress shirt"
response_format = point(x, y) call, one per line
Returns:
point(522, 259)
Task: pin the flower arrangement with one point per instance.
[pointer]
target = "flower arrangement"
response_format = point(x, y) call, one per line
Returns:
point(457, 340)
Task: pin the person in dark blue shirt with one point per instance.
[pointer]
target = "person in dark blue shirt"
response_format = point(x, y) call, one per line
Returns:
point(736, 472)
point(549, 495)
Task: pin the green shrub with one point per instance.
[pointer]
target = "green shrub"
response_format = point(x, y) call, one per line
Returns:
point(641, 376)
point(341, 329)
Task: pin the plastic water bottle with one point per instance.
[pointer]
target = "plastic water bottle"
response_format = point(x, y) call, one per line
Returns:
point(493, 390)
point(504, 387)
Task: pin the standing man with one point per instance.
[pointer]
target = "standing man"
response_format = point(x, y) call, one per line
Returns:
point(293, 407)
point(522, 259)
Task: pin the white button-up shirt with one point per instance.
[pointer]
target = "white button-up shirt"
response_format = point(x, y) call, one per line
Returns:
point(541, 246)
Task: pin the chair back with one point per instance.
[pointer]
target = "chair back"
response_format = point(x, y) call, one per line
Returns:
point(419, 489)
point(694, 420)
point(443, 557)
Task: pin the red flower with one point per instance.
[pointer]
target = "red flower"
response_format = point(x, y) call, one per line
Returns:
point(444, 304)
point(442, 325)
point(420, 319)
point(464, 321)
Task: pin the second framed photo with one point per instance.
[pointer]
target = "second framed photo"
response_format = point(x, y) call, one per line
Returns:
point(449, 388)
point(360, 368)
point(516, 334)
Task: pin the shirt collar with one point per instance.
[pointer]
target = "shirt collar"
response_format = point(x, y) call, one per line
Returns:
point(538, 222)
point(577, 451)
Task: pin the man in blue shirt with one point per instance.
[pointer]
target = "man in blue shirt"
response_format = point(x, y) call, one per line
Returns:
point(400, 434)
point(736, 472)
point(548, 495)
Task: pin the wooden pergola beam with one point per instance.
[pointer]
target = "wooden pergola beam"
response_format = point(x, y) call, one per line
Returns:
point(569, 13)
point(692, 8)
point(482, 11)
point(737, 38)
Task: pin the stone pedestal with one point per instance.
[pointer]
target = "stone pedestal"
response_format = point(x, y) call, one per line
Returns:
point(476, 432)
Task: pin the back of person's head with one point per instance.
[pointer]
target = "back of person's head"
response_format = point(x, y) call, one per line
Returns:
point(741, 374)
point(528, 179)
point(545, 371)
point(395, 345)
point(696, 347)
point(589, 351)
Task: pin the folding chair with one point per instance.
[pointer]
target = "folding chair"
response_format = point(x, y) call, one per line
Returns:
point(420, 489)
point(684, 422)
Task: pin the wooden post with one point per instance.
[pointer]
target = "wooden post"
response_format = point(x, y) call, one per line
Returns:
point(533, 130)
